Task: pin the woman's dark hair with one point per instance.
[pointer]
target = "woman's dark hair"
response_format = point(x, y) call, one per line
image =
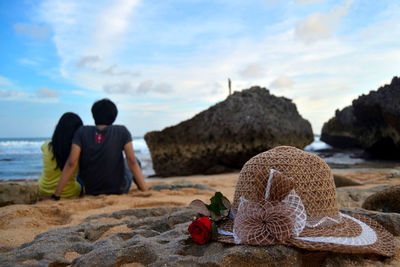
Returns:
point(104, 112)
point(62, 137)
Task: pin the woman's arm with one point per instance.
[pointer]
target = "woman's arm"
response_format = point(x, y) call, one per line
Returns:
point(68, 170)
point(134, 167)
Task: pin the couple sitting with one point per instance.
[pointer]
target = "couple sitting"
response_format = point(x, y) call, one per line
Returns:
point(95, 150)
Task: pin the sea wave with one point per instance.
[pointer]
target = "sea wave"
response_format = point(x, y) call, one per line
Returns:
point(18, 147)
point(317, 145)
point(139, 145)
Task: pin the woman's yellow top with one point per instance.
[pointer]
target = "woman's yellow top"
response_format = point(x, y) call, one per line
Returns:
point(51, 175)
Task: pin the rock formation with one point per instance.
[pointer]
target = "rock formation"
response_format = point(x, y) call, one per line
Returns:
point(227, 134)
point(341, 181)
point(159, 237)
point(354, 196)
point(387, 200)
point(372, 122)
point(18, 192)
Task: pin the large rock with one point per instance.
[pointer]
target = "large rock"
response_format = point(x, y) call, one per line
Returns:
point(354, 196)
point(159, 237)
point(18, 192)
point(387, 200)
point(227, 134)
point(372, 122)
point(341, 181)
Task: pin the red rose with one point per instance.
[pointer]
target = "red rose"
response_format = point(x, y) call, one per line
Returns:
point(200, 230)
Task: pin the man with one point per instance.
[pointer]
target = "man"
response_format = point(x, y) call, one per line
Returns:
point(98, 149)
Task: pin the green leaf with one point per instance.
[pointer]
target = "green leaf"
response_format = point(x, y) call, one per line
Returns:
point(214, 229)
point(217, 204)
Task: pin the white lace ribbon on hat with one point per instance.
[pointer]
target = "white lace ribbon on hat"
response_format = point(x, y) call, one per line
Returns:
point(293, 201)
point(367, 236)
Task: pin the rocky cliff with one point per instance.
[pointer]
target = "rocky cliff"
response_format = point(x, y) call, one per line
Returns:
point(372, 122)
point(227, 134)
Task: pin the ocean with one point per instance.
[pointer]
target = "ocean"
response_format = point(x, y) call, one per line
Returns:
point(21, 158)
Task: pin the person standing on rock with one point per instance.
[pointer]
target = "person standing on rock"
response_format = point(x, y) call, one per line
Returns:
point(98, 149)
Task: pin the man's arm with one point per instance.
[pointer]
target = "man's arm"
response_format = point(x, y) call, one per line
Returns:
point(134, 167)
point(68, 170)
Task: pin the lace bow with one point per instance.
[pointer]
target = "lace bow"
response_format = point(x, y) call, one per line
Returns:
point(274, 219)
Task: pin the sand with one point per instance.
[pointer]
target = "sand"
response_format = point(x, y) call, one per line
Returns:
point(21, 223)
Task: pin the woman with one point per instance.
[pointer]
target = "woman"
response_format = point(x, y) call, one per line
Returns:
point(55, 154)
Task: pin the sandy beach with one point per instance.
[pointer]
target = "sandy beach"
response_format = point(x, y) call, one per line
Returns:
point(21, 223)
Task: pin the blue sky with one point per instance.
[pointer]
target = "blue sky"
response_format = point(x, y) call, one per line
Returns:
point(162, 62)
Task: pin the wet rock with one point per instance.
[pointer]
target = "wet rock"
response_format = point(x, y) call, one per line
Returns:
point(18, 192)
point(341, 181)
point(359, 261)
point(372, 122)
point(353, 197)
point(393, 175)
point(223, 137)
point(180, 186)
point(387, 200)
point(159, 237)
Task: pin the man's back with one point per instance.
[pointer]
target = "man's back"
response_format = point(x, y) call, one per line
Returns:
point(101, 161)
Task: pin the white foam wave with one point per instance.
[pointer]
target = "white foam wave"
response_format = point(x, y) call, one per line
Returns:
point(140, 146)
point(317, 145)
point(17, 147)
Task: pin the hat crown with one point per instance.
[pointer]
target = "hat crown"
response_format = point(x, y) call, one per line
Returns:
point(314, 180)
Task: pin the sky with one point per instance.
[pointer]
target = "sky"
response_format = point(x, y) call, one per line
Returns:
point(162, 62)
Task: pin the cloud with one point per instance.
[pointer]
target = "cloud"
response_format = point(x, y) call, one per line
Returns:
point(144, 87)
point(150, 86)
point(306, 2)
point(216, 88)
point(113, 23)
point(78, 92)
point(40, 32)
point(119, 88)
point(88, 61)
point(282, 82)
point(194, 58)
point(4, 81)
point(46, 92)
point(5, 93)
point(114, 71)
point(27, 61)
point(83, 26)
point(253, 71)
point(12, 95)
point(96, 64)
point(319, 26)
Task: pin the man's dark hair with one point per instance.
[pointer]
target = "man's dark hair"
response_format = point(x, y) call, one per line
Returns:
point(104, 112)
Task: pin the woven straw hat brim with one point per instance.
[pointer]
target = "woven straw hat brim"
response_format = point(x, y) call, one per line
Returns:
point(384, 244)
point(314, 186)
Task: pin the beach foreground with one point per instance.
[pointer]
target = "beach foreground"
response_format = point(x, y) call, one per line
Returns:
point(21, 223)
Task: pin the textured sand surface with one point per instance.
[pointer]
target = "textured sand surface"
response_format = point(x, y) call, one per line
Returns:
point(21, 223)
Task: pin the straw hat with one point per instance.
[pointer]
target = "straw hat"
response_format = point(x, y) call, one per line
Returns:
point(288, 196)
